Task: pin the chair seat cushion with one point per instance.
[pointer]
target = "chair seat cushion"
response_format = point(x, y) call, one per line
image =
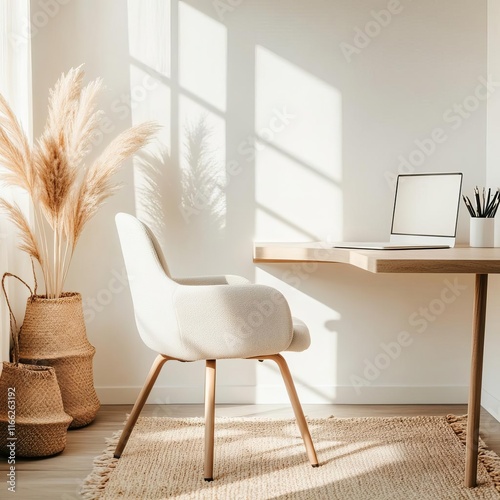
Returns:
point(301, 339)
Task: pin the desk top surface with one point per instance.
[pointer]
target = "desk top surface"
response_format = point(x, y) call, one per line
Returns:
point(442, 260)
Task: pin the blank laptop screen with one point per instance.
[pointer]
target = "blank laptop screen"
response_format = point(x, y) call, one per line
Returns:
point(427, 204)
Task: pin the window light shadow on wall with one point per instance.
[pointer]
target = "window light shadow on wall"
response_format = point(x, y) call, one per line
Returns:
point(150, 99)
point(202, 106)
point(149, 34)
point(179, 80)
point(203, 56)
point(298, 186)
point(298, 152)
point(290, 185)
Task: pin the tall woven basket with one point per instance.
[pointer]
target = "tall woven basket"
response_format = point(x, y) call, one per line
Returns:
point(53, 334)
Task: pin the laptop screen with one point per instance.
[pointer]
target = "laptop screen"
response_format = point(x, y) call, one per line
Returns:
point(427, 204)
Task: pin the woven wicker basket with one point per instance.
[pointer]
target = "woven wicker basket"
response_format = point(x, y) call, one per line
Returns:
point(53, 334)
point(32, 418)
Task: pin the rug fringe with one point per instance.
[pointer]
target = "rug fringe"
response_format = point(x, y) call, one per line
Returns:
point(488, 458)
point(94, 484)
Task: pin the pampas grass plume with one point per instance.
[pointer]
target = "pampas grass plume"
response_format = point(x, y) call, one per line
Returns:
point(65, 193)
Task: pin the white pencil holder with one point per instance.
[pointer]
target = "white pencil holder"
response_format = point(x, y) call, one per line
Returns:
point(482, 232)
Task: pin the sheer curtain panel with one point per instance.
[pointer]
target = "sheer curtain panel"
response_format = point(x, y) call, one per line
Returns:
point(15, 86)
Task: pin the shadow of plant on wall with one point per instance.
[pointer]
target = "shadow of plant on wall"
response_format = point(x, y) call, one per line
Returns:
point(203, 183)
point(157, 189)
point(183, 200)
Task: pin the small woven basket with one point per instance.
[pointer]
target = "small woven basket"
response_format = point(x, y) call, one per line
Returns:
point(33, 422)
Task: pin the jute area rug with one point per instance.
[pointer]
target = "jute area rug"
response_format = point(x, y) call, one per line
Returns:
point(360, 458)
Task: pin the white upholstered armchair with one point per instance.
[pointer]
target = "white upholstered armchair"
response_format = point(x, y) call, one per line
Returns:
point(206, 318)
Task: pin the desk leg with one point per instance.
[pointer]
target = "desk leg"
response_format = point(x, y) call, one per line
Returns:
point(476, 375)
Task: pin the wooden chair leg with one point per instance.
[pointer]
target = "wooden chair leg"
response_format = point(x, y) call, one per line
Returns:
point(210, 373)
point(297, 408)
point(139, 404)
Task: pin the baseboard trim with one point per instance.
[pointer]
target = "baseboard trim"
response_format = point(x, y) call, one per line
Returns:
point(307, 394)
point(491, 404)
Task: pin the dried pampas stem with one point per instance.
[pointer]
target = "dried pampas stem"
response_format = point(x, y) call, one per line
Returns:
point(28, 240)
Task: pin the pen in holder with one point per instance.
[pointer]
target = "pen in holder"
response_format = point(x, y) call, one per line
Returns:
point(482, 221)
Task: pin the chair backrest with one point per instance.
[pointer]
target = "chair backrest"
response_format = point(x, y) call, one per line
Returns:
point(150, 283)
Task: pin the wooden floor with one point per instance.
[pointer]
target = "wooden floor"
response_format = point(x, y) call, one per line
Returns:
point(60, 477)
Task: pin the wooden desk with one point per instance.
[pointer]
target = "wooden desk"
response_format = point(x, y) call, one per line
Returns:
point(478, 261)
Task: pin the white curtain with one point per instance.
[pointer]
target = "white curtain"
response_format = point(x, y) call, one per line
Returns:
point(15, 86)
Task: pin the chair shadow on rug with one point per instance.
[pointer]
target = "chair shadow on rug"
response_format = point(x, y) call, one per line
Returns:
point(205, 318)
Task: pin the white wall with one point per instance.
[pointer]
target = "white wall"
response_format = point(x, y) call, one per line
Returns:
point(270, 132)
point(491, 389)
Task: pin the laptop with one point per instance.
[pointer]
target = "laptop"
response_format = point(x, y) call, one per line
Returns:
point(425, 213)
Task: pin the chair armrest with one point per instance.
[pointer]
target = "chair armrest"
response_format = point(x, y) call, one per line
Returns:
point(227, 279)
point(237, 321)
